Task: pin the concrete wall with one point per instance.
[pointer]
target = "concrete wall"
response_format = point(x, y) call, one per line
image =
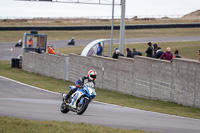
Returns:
point(177, 81)
point(49, 65)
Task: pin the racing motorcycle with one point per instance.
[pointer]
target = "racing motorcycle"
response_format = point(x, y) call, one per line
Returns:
point(18, 44)
point(79, 100)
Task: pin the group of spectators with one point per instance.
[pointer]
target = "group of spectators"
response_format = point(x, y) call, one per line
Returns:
point(156, 52)
point(130, 54)
point(152, 52)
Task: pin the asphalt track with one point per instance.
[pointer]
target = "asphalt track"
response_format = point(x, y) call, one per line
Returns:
point(5, 48)
point(19, 100)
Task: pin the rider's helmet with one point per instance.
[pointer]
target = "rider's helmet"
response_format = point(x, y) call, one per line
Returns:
point(92, 75)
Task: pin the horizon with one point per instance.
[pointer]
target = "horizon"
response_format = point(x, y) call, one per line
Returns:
point(27, 9)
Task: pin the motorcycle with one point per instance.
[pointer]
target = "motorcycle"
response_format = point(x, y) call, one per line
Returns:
point(71, 42)
point(18, 44)
point(79, 100)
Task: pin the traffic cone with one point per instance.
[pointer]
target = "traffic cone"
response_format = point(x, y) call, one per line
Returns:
point(11, 50)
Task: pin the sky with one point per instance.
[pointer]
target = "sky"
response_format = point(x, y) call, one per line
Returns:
point(27, 9)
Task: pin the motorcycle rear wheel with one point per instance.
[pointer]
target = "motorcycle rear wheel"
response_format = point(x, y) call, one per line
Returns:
point(82, 107)
point(64, 108)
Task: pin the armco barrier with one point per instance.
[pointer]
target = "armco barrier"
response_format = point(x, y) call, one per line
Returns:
point(98, 27)
point(177, 81)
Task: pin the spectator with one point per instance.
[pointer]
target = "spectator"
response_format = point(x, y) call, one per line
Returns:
point(99, 49)
point(159, 52)
point(149, 50)
point(51, 51)
point(53, 48)
point(176, 54)
point(116, 54)
point(199, 53)
point(128, 52)
point(91, 52)
point(38, 50)
point(135, 53)
point(155, 47)
point(121, 54)
point(30, 42)
point(168, 55)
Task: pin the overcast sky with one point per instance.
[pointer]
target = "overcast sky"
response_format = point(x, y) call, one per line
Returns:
point(12, 8)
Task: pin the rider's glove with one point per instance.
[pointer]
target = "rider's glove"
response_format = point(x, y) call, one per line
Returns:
point(78, 86)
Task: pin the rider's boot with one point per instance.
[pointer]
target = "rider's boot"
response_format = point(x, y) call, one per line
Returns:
point(66, 96)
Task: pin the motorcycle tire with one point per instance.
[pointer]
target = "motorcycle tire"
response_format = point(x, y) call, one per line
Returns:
point(64, 108)
point(82, 107)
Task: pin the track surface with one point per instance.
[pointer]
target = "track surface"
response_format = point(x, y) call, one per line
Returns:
point(23, 101)
point(5, 53)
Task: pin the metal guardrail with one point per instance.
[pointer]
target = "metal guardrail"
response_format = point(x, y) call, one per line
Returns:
point(99, 27)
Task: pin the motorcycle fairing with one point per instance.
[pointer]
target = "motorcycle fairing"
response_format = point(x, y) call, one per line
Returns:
point(75, 96)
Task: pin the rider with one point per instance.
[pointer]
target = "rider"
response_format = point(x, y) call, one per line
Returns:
point(79, 83)
point(20, 41)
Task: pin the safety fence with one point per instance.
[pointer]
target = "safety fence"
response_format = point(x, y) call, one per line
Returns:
point(98, 27)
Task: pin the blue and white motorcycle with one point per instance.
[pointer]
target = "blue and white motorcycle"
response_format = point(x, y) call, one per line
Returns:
point(79, 100)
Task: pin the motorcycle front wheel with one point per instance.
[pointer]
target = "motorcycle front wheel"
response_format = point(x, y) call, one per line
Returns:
point(64, 108)
point(82, 107)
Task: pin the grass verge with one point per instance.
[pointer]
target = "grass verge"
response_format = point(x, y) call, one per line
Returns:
point(82, 21)
point(187, 49)
point(12, 125)
point(103, 95)
point(14, 36)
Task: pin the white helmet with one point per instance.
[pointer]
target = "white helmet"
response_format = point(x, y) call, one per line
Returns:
point(92, 74)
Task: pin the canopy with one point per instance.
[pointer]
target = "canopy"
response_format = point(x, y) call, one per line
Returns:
point(91, 48)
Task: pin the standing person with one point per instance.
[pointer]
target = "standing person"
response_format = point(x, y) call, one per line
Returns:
point(135, 53)
point(149, 50)
point(99, 49)
point(30, 42)
point(128, 52)
point(159, 52)
point(199, 53)
point(155, 47)
point(168, 55)
point(176, 54)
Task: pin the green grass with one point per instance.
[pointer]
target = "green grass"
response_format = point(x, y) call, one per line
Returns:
point(82, 21)
point(14, 36)
point(187, 49)
point(12, 125)
point(103, 95)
